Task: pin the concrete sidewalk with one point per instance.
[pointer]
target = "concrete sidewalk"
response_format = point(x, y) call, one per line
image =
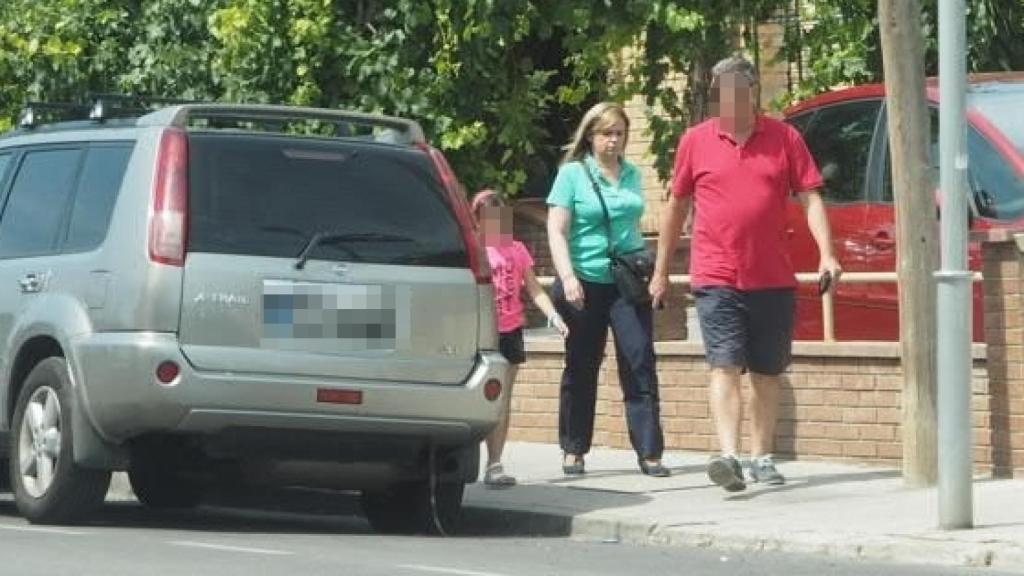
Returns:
point(840, 510)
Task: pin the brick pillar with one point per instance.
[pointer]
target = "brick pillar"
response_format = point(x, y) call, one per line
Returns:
point(1003, 269)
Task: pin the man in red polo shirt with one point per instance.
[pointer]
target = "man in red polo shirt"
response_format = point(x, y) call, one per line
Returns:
point(740, 169)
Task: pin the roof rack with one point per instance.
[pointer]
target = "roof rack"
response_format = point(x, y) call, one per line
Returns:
point(100, 107)
point(106, 106)
point(343, 123)
point(31, 114)
point(158, 111)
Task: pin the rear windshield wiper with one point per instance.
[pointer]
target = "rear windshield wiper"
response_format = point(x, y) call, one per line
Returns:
point(334, 237)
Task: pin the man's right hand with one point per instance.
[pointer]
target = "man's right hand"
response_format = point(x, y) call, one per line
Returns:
point(573, 291)
point(658, 290)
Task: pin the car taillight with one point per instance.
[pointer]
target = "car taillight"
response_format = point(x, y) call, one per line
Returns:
point(168, 224)
point(477, 260)
point(167, 371)
point(492, 389)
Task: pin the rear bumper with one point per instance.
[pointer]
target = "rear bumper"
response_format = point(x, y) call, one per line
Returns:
point(116, 387)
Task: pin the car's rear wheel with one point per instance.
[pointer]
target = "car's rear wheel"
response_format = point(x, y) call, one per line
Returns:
point(159, 475)
point(49, 488)
point(419, 507)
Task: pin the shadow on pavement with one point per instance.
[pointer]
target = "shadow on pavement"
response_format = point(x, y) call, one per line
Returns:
point(327, 512)
point(802, 483)
point(518, 511)
point(335, 517)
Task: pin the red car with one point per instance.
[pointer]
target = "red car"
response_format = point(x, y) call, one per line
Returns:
point(846, 132)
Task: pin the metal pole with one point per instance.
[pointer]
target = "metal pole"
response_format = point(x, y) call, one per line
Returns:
point(828, 316)
point(954, 281)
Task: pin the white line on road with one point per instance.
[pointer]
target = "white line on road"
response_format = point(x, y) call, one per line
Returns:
point(41, 529)
point(225, 548)
point(443, 570)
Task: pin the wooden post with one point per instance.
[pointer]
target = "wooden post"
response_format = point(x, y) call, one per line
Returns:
point(917, 249)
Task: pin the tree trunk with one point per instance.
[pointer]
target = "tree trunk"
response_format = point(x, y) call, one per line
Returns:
point(917, 249)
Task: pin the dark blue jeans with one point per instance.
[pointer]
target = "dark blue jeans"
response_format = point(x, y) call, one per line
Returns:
point(584, 352)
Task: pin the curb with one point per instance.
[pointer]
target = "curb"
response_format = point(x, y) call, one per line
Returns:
point(490, 520)
point(919, 550)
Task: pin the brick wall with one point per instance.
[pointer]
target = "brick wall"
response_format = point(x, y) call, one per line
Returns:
point(841, 400)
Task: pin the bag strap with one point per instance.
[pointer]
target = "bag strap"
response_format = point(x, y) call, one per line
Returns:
point(604, 208)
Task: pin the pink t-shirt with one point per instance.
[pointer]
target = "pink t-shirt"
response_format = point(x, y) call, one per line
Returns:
point(509, 264)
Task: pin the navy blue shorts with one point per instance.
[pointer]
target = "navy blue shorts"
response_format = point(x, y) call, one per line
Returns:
point(751, 330)
point(512, 346)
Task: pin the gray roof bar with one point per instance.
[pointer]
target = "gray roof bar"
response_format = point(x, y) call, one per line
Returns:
point(182, 115)
point(30, 116)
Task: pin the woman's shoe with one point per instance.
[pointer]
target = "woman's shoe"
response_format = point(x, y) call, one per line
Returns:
point(658, 470)
point(574, 469)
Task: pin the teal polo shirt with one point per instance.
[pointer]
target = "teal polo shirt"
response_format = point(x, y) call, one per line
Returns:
point(588, 241)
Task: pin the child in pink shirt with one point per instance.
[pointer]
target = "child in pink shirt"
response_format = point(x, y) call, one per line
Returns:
point(511, 269)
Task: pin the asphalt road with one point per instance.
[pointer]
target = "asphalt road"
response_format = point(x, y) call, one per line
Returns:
point(126, 539)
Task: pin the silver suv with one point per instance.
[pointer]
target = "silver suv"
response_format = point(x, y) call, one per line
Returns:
point(206, 295)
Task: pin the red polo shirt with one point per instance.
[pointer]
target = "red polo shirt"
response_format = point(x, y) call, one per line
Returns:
point(740, 194)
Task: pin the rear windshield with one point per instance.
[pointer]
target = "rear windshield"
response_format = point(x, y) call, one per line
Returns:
point(268, 195)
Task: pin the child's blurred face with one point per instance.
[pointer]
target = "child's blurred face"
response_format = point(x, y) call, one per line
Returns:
point(497, 224)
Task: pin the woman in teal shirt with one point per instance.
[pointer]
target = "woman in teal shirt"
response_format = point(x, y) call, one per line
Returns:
point(585, 293)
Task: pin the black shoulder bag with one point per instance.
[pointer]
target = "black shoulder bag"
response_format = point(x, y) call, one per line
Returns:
point(631, 271)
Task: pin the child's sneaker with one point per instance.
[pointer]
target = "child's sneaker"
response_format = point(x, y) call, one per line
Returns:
point(495, 477)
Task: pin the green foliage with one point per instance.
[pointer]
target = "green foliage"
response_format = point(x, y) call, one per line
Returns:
point(497, 84)
point(839, 42)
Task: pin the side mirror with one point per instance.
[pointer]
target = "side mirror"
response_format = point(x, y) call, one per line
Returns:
point(971, 209)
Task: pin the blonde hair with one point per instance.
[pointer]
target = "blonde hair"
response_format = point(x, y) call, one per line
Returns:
point(487, 197)
point(600, 115)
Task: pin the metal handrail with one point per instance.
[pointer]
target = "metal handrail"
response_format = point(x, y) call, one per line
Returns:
point(827, 299)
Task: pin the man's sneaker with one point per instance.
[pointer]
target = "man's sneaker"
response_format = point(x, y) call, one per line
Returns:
point(762, 469)
point(727, 473)
point(495, 477)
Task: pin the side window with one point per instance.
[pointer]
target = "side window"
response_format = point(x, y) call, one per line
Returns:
point(998, 189)
point(840, 139)
point(933, 159)
point(98, 186)
point(801, 122)
point(5, 159)
point(31, 220)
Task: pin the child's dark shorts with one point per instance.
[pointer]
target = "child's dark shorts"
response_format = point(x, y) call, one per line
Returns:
point(512, 347)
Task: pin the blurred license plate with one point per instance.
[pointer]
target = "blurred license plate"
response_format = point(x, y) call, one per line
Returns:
point(328, 318)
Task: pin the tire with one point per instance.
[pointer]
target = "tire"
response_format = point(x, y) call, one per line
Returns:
point(48, 487)
point(406, 508)
point(157, 477)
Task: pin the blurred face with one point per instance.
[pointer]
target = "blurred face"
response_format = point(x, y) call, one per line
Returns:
point(497, 225)
point(609, 136)
point(736, 99)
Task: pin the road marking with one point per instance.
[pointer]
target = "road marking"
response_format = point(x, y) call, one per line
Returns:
point(443, 570)
point(41, 529)
point(225, 548)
